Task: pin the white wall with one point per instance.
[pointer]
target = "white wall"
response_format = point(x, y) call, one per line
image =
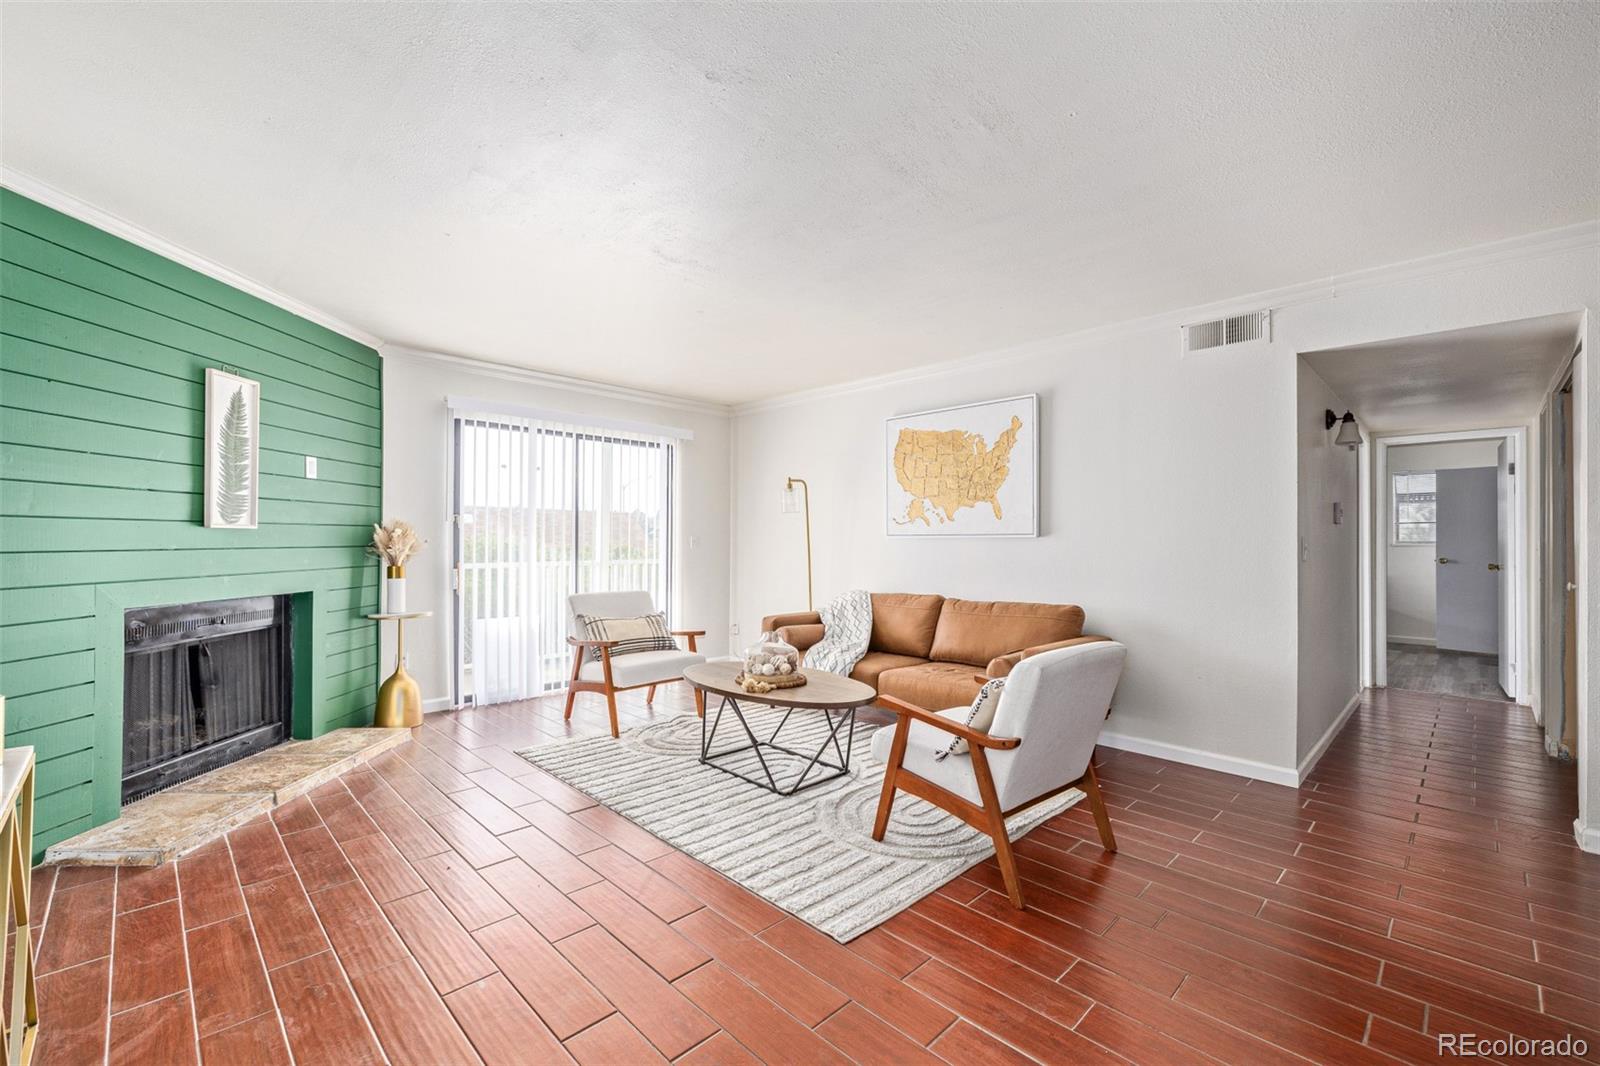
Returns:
point(415, 480)
point(1145, 521)
point(1169, 505)
point(1329, 620)
point(1412, 567)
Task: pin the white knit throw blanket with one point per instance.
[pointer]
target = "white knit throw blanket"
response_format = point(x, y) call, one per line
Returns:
point(846, 629)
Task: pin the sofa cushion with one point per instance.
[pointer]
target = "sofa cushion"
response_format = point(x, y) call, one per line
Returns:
point(903, 623)
point(931, 684)
point(976, 631)
point(874, 663)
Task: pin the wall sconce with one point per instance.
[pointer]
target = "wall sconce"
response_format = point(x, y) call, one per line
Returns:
point(1349, 433)
point(793, 502)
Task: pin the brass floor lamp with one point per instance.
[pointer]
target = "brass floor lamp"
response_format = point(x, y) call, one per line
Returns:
point(792, 505)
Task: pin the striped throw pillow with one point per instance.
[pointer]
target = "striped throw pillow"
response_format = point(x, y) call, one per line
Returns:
point(647, 632)
point(980, 717)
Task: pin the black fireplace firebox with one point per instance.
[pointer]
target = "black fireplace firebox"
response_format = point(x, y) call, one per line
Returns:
point(203, 684)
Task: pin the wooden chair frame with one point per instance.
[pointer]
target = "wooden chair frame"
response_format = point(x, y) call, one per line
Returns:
point(607, 688)
point(988, 818)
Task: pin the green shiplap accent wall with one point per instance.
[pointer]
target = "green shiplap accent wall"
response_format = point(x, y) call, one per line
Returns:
point(103, 351)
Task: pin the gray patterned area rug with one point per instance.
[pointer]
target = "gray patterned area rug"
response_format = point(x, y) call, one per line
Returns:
point(811, 854)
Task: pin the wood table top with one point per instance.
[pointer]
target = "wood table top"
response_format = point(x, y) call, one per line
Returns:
point(822, 691)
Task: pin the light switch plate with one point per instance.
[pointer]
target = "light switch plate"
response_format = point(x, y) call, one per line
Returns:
point(1338, 513)
point(311, 466)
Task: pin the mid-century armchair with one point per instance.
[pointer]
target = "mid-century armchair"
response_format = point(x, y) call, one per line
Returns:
point(1040, 744)
point(610, 675)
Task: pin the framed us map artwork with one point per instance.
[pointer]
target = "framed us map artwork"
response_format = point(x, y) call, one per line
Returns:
point(969, 471)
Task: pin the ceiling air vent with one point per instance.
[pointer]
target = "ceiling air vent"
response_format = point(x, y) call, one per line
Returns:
point(1236, 329)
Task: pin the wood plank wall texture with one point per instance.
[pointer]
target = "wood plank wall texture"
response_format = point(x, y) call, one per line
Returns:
point(103, 352)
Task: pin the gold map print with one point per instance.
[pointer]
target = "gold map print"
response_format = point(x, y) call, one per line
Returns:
point(945, 470)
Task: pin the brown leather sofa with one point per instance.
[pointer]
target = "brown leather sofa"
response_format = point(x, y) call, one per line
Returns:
point(936, 652)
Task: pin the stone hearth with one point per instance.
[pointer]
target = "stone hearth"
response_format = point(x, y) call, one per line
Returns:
point(172, 823)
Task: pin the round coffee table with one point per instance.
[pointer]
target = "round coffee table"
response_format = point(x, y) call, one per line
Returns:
point(836, 697)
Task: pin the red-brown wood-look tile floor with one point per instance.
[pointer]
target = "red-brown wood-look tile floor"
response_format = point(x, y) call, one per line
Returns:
point(451, 903)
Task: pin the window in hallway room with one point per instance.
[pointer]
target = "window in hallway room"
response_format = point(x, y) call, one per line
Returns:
point(1416, 509)
point(541, 510)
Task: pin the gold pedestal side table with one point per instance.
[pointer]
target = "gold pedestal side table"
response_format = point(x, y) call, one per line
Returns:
point(399, 697)
point(21, 1004)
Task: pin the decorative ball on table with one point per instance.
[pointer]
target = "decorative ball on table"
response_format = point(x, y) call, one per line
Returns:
point(771, 663)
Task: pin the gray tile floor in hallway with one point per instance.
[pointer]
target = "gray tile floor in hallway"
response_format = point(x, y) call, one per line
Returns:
point(1419, 668)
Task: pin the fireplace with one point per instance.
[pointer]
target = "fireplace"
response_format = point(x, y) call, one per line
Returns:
point(204, 684)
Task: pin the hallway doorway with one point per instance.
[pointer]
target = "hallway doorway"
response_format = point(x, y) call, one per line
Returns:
point(1452, 565)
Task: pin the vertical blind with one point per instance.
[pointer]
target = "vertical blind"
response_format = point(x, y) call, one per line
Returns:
point(543, 509)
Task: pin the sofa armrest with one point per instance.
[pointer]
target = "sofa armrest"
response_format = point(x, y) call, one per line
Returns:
point(802, 637)
point(1001, 665)
point(774, 622)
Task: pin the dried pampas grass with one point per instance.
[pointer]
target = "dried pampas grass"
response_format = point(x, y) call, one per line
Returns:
point(395, 542)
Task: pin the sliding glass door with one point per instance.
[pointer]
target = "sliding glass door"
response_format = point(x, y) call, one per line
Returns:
point(542, 510)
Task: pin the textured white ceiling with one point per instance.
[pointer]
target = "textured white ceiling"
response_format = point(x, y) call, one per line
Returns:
point(1479, 378)
point(727, 201)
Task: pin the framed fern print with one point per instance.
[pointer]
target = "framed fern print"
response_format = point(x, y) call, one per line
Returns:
point(233, 450)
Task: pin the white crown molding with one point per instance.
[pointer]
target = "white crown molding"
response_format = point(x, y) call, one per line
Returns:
point(1528, 246)
point(508, 372)
point(1579, 235)
point(45, 193)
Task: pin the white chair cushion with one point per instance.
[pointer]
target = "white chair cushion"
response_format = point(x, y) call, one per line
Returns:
point(1056, 702)
point(642, 668)
point(605, 605)
point(922, 750)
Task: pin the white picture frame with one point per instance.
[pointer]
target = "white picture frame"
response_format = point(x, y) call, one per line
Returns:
point(232, 485)
point(970, 510)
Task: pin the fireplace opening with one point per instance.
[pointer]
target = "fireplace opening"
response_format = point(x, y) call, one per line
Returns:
point(203, 685)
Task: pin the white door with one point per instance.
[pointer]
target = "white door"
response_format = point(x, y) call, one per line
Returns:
point(1466, 588)
point(1505, 551)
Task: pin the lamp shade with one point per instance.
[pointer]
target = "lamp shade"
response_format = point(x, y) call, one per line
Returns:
point(1349, 432)
point(791, 497)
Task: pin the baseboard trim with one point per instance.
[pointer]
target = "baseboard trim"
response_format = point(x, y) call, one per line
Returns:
point(441, 703)
point(1426, 642)
point(1318, 749)
point(1205, 760)
point(1587, 836)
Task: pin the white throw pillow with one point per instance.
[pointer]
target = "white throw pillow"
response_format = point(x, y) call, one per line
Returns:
point(980, 717)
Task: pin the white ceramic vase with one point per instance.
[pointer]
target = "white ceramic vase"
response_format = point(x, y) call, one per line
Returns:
point(396, 594)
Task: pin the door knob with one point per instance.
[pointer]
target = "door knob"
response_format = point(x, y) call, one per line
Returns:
point(1443, 560)
point(1494, 566)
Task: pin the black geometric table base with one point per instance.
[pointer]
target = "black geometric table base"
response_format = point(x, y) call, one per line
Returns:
point(837, 720)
